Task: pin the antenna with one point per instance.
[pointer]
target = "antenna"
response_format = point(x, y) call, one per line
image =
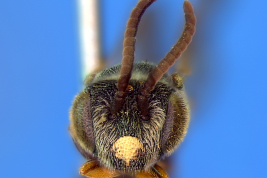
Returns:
point(170, 58)
point(128, 53)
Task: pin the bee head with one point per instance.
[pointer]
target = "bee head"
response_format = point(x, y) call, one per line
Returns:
point(129, 141)
point(131, 115)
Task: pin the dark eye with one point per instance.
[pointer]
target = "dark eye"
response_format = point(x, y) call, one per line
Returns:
point(111, 116)
point(145, 118)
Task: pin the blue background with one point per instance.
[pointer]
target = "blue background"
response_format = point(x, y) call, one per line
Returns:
point(40, 75)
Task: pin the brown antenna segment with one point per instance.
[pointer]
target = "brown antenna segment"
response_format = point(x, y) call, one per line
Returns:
point(128, 53)
point(169, 59)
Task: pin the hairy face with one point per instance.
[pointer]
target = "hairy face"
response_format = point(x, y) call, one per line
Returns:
point(128, 141)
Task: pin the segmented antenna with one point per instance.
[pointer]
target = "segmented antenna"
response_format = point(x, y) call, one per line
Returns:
point(128, 53)
point(169, 59)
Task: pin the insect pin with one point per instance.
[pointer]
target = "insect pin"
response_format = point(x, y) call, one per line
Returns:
point(131, 115)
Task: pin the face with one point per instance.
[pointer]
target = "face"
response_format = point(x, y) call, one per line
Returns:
point(127, 141)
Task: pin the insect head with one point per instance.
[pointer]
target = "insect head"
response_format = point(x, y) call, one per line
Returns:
point(131, 115)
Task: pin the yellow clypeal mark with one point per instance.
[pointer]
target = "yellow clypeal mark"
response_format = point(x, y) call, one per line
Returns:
point(127, 148)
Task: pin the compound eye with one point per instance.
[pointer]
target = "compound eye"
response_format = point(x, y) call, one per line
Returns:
point(145, 118)
point(111, 116)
